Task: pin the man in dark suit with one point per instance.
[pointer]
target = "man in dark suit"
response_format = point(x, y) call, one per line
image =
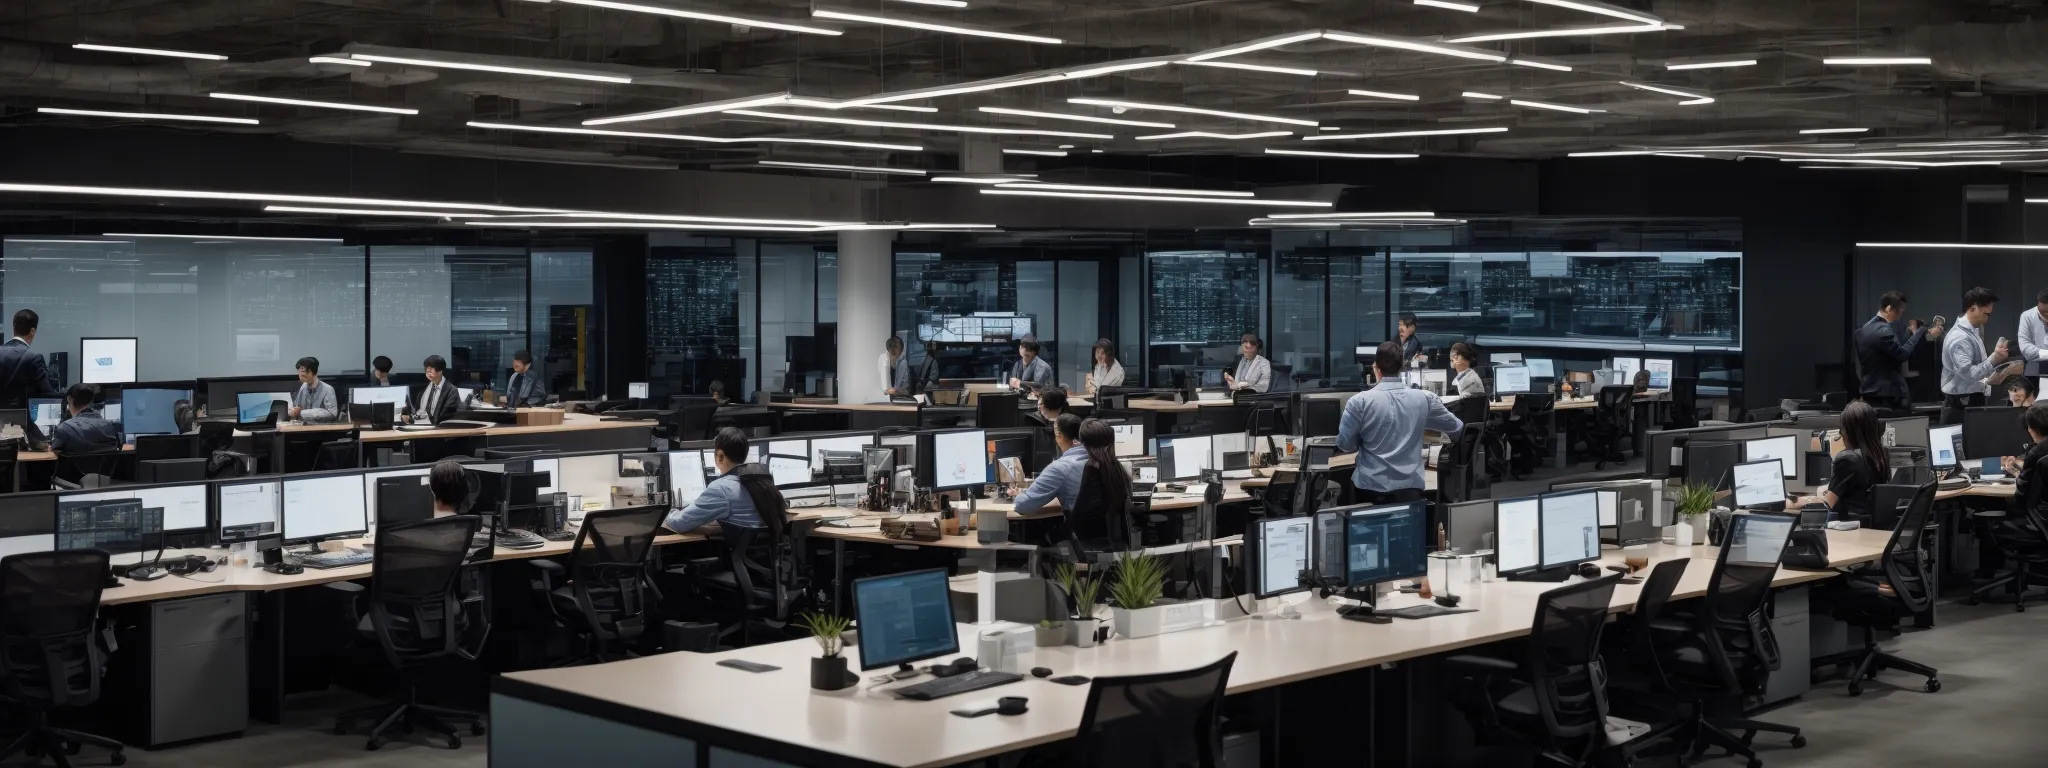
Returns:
point(524, 390)
point(1879, 354)
point(440, 399)
point(23, 374)
point(1411, 346)
point(86, 431)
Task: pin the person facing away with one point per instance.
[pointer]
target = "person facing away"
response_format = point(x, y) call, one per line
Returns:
point(87, 431)
point(1881, 357)
point(1061, 479)
point(524, 389)
point(314, 402)
point(1384, 426)
point(24, 374)
point(737, 496)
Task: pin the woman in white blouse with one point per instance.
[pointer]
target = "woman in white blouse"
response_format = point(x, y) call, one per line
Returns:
point(1468, 382)
point(1107, 372)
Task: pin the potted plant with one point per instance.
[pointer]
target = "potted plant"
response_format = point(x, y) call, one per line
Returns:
point(1139, 581)
point(1051, 633)
point(1694, 499)
point(828, 672)
point(1081, 587)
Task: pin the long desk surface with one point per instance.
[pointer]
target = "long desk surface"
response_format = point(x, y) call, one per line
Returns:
point(573, 422)
point(1980, 491)
point(873, 728)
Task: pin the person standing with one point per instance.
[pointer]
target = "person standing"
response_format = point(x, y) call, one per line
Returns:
point(894, 371)
point(1411, 346)
point(314, 402)
point(1384, 426)
point(1968, 372)
point(1031, 371)
point(2034, 330)
point(1108, 372)
point(1880, 354)
point(524, 390)
point(24, 374)
point(1253, 372)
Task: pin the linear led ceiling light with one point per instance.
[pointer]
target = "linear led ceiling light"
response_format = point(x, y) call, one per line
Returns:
point(1209, 135)
point(1521, 62)
point(708, 139)
point(1156, 198)
point(1966, 246)
point(1404, 134)
point(1384, 95)
point(1014, 178)
point(1348, 155)
point(445, 64)
point(193, 194)
point(676, 218)
point(834, 105)
point(1253, 67)
point(1874, 61)
point(849, 168)
point(337, 60)
point(1356, 215)
point(1480, 95)
point(1910, 163)
point(1710, 64)
point(1383, 41)
point(371, 212)
point(318, 104)
point(150, 51)
point(1015, 81)
point(1810, 131)
point(1044, 152)
point(1612, 153)
point(1662, 89)
point(1080, 118)
point(1256, 45)
point(946, 3)
point(69, 242)
point(1466, 7)
point(637, 225)
point(918, 126)
point(1133, 190)
point(741, 102)
point(1609, 29)
point(146, 115)
point(701, 16)
point(1602, 9)
point(1191, 111)
point(1554, 107)
point(928, 26)
point(226, 237)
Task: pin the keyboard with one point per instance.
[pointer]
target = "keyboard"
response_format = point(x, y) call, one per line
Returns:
point(342, 559)
point(957, 684)
point(513, 538)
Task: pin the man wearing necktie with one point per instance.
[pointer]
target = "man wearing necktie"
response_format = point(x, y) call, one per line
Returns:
point(440, 399)
point(524, 390)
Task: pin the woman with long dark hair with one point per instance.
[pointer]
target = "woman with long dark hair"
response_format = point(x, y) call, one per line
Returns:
point(1108, 372)
point(1100, 442)
point(1862, 465)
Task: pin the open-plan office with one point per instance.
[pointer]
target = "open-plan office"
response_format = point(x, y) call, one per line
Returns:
point(924, 383)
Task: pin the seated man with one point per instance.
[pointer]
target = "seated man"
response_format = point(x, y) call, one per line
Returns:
point(738, 495)
point(314, 402)
point(1061, 479)
point(86, 431)
point(525, 389)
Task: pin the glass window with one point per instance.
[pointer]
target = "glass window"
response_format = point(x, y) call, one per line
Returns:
point(788, 332)
point(564, 320)
point(692, 319)
point(951, 302)
point(1202, 303)
point(1037, 287)
point(1301, 276)
point(1571, 298)
point(467, 305)
point(199, 308)
point(1080, 315)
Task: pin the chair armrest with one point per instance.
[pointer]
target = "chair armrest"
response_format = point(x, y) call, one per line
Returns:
point(355, 594)
point(1484, 662)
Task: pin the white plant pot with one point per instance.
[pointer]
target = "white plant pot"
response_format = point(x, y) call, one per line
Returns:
point(1143, 622)
point(1681, 534)
point(1082, 632)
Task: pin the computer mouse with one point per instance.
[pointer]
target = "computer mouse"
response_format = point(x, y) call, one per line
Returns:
point(1041, 672)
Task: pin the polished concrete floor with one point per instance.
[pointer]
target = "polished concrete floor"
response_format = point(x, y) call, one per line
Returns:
point(305, 740)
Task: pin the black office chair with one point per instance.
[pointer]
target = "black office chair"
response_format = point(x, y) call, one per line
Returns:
point(1460, 475)
point(1164, 719)
point(1614, 413)
point(1098, 524)
point(346, 453)
point(761, 577)
point(602, 595)
point(1555, 698)
point(414, 615)
point(1861, 603)
point(90, 470)
point(1525, 434)
point(2020, 533)
point(1685, 398)
point(50, 647)
point(692, 417)
point(1638, 681)
point(303, 451)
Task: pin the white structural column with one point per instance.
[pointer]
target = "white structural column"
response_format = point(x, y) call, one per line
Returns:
point(866, 262)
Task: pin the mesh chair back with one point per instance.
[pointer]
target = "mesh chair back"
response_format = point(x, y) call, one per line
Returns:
point(338, 454)
point(1684, 403)
point(161, 447)
point(49, 603)
point(694, 418)
point(752, 560)
point(1734, 615)
point(1167, 719)
point(1657, 589)
point(1905, 560)
point(1564, 666)
point(1098, 523)
point(1616, 404)
point(413, 594)
point(609, 568)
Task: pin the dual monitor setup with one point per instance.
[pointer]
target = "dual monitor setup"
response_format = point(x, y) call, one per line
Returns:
point(1515, 375)
point(1340, 549)
point(1986, 436)
point(136, 410)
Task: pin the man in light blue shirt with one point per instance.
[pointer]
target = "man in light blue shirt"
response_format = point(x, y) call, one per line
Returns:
point(1967, 372)
point(1384, 426)
point(725, 500)
point(1062, 478)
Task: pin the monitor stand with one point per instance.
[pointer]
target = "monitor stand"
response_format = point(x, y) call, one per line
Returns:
point(1552, 575)
point(1363, 611)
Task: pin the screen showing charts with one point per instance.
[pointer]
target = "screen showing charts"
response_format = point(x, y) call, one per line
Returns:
point(248, 510)
point(903, 618)
point(959, 459)
point(1512, 380)
point(1385, 543)
point(1759, 484)
point(1571, 528)
point(1660, 373)
point(1283, 554)
point(1783, 448)
point(685, 477)
point(106, 361)
point(1182, 458)
point(1758, 539)
point(848, 444)
point(152, 411)
point(1625, 369)
point(1941, 444)
point(1541, 368)
point(184, 506)
point(395, 395)
point(255, 406)
point(974, 329)
point(319, 507)
point(1130, 439)
point(119, 526)
point(789, 470)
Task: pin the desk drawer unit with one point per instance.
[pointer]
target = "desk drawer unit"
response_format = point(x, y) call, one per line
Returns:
point(198, 668)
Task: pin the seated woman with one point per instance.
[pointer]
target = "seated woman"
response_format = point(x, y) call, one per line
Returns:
point(1100, 520)
point(1862, 465)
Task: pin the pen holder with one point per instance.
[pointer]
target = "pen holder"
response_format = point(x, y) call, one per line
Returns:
point(1457, 575)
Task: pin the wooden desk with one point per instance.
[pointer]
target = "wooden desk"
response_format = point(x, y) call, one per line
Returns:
point(775, 715)
point(1980, 491)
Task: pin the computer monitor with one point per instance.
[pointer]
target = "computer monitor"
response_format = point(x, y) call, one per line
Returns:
point(248, 510)
point(636, 390)
point(1212, 377)
point(1660, 373)
point(904, 618)
point(1625, 368)
point(1942, 445)
point(417, 477)
point(789, 471)
point(1183, 457)
point(1384, 544)
point(1518, 537)
point(847, 443)
point(118, 526)
point(552, 468)
point(46, 411)
point(1009, 446)
point(953, 459)
point(1541, 367)
point(402, 499)
point(1759, 484)
point(395, 395)
point(28, 523)
point(106, 360)
point(1909, 430)
point(1466, 524)
point(1278, 553)
point(184, 505)
point(1320, 416)
point(685, 477)
point(256, 406)
point(1571, 528)
point(1329, 547)
point(1226, 443)
point(151, 411)
point(1758, 538)
point(325, 507)
point(1130, 439)
point(523, 489)
point(1707, 462)
point(1504, 358)
point(1511, 380)
point(1990, 433)
point(1784, 448)
point(110, 408)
